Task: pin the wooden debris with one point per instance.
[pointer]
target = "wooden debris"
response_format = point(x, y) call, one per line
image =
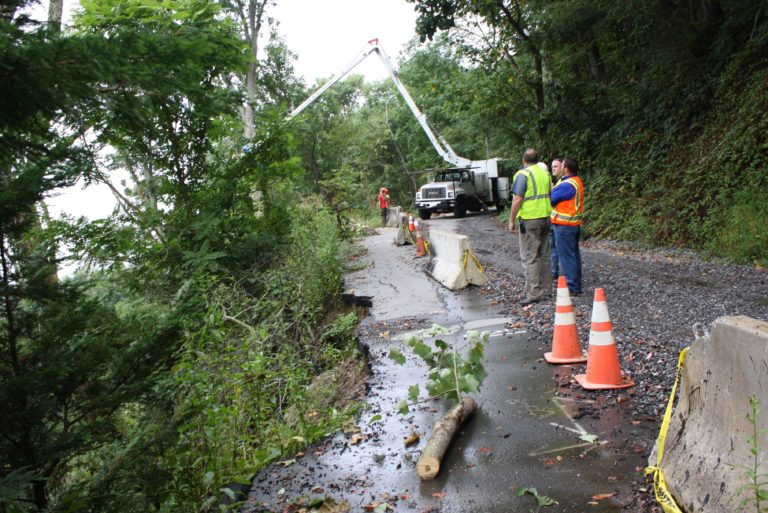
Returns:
point(428, 465)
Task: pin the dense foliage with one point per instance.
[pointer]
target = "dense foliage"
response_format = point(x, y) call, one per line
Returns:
point(171, 367)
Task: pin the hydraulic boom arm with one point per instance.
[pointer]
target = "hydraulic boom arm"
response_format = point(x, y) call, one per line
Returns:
point(438, 142)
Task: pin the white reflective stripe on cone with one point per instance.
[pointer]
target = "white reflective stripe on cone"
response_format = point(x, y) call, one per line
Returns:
point(600, 312)
point(565, 318)
point(601, 338)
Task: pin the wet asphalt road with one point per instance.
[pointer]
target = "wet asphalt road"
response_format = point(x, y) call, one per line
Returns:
point(527, 433)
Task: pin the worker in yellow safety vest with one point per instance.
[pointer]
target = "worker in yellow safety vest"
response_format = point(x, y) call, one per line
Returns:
point(567, 210)
point(530, 209)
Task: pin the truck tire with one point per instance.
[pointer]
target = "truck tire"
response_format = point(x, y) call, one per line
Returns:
point(474, 205)
point(460, 208)
point(425, 214)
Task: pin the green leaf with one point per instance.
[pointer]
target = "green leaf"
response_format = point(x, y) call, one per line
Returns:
point(402, 407)
point(422, 349)
point(413, 393)
point(381, 508)
point(588, 438)
point(396, 355)
point(410, 340)
point(375, 418)
point(470, 384)
point(441, 344)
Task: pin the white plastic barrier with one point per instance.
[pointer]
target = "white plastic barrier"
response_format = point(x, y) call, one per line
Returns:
point(452, 261)
point(706, 450)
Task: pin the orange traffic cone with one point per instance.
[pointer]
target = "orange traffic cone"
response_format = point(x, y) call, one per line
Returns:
point(411, 226)
point(566, 347)
point(603, 371)
point(421, 250)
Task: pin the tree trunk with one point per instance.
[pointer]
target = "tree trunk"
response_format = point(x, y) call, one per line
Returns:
point(428, 465)
point(596, 64)
point(55, 14)
point(256, 10)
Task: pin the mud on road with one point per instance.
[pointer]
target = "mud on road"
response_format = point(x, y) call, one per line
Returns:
point(528, 431)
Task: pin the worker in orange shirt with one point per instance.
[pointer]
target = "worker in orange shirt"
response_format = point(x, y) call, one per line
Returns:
point(383, 199)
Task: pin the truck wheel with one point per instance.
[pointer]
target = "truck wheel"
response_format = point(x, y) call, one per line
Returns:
point(459, 208)
point(425, 214)
point(474, 205)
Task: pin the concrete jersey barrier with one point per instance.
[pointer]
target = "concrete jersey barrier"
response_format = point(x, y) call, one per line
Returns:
point(393, 216)
point(452, 262)
point(709, 428)
point(403, 236)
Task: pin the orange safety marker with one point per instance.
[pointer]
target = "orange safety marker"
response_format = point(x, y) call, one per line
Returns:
point(566, 347)
point(411, 226)
point(603, 371)
point(421, 250)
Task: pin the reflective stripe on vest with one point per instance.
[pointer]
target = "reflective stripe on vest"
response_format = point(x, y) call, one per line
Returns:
point(569, 212)
point(536, 199)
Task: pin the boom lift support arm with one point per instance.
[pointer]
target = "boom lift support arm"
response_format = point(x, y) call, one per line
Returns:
point(440, 144)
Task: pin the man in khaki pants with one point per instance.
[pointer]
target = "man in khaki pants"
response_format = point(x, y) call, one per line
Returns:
point(531, 208)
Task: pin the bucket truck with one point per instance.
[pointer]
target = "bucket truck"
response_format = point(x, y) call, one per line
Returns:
point(466, 185)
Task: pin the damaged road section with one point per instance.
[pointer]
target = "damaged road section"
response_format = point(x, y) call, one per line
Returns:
point(527, 433)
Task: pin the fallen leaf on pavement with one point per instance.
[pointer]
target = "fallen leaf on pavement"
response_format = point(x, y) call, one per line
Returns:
point(356, 439)
point(438, 495)
point(410, 440)
point(601, 496)
point(331, 506)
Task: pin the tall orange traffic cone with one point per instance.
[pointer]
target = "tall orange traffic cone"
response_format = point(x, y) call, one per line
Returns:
point(566, 347)
point(411, 226)
point(603, 371)
point(421, 250)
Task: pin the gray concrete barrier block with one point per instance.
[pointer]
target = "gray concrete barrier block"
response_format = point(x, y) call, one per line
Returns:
point(708, 432)
point(403, 236)
point(393, 216)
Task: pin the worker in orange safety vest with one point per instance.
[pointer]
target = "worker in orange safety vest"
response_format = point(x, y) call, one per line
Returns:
point(567, 200)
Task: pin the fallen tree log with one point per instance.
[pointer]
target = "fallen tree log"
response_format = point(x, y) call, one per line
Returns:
point(428, 465)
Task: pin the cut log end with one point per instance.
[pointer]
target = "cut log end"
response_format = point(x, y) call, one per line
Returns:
point(428, 467)
point(443, 432)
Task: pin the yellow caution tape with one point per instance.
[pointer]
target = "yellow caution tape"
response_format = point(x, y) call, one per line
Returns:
point(663, 497)
point(468, 253)
point(426, 247)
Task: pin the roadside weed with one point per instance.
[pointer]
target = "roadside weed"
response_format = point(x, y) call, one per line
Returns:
point(756, 487)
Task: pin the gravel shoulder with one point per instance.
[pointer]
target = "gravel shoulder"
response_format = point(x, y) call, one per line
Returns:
point(655, 298)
